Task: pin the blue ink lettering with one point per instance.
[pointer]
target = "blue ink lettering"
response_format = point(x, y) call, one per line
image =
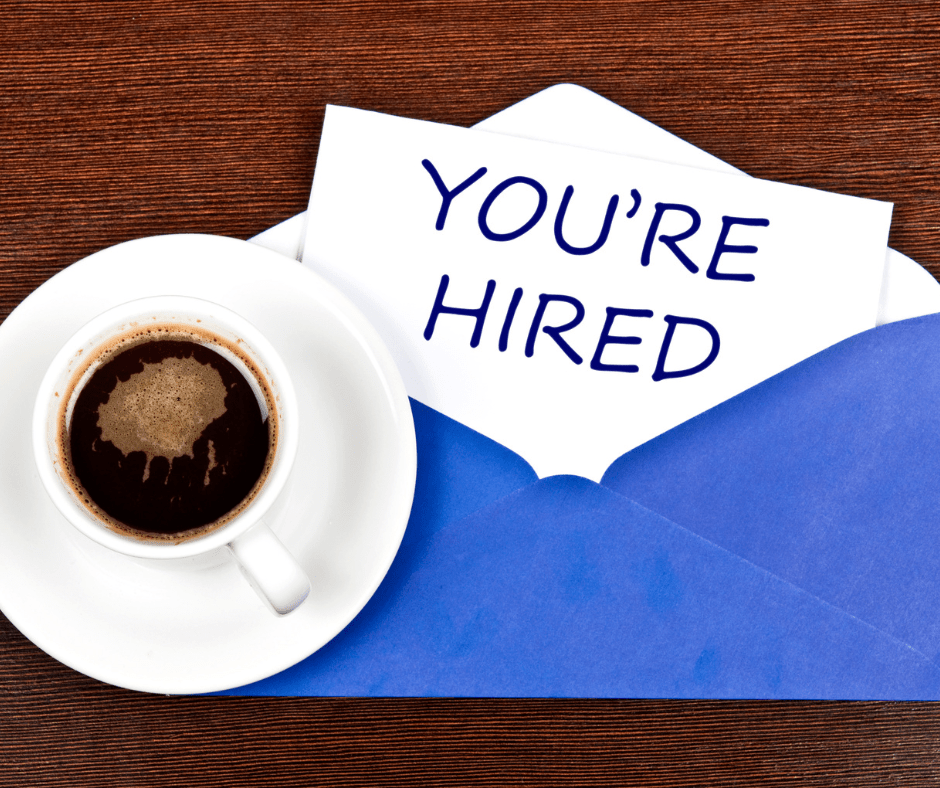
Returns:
point(491, 198)
point(605, 228)
point(672, 321)
point(447, 195)
point(672, 241)
point(607, 339)
point(555, 332)
point(479, 313)
point(721, 248)
point(510, 314)
point(636, 203)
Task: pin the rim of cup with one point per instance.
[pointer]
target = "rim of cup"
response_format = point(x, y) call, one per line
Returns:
point(126, 317)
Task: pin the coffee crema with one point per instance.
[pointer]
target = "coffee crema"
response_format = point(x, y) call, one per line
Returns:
point(167, 439)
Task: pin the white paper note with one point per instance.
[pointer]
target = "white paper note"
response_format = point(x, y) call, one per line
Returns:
point(572, 304)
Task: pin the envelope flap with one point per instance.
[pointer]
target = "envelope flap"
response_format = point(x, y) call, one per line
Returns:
point(459, 471)
point(826, 475)
point(564, 588)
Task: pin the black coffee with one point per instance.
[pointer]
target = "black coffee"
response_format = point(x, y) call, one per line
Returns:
point(167, 437)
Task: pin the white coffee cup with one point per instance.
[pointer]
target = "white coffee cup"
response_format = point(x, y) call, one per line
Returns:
point(243, 536)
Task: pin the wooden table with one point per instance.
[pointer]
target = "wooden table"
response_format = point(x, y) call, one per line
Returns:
point(123, 120)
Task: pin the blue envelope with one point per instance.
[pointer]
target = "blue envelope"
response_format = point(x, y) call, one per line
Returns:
point(785, 544)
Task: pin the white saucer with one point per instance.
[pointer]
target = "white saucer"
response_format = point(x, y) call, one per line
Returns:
point(343, 514)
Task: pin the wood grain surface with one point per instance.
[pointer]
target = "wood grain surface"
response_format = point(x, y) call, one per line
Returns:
point(120, 120)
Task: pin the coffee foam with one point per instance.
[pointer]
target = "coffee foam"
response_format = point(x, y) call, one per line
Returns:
point(162, 410)
point(170, 435)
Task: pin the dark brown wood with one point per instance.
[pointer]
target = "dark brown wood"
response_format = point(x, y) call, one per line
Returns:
point(120, 120)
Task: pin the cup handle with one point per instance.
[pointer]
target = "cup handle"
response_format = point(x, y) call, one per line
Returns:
point(271, 570)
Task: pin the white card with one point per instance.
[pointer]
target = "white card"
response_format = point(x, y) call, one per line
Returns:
point(607, 321)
